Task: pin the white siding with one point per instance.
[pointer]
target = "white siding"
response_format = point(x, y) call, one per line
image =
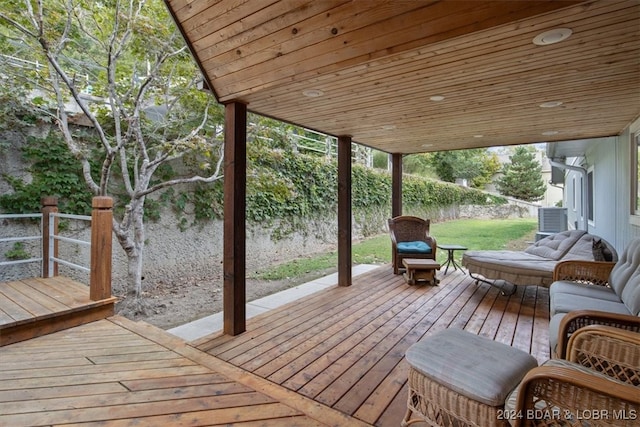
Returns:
point(611, 161)
point(625, 230)
point(603, 158)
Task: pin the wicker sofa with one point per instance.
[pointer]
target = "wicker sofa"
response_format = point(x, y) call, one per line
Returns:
point(534, 265)
point(594, 293)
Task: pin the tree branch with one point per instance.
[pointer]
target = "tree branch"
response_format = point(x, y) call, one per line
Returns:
point(211, 178)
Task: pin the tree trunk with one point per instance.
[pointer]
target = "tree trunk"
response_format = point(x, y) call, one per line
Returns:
point(131, 236)
point(135, 264)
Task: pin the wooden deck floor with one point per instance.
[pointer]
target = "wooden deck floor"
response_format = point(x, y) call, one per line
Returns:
point(36, 306)
point(116, 372)
point(344, 347)
point(332, 358)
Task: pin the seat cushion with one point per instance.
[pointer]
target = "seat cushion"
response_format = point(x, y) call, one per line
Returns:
point(554, 329)
point(476, 367)
point(591, 291)
point(631, 296)
point(627, 269)
point(557, 245)
point(416, 247)
point(564, 303)
point(583, 249)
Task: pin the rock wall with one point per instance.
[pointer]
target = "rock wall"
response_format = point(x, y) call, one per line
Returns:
point(172, 254)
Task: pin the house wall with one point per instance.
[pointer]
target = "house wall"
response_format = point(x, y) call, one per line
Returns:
point(601, 159)
point(611, 162)
point(628, 226)
point(573, 193)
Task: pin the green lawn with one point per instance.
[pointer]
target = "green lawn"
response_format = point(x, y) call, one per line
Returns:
point(475, 234)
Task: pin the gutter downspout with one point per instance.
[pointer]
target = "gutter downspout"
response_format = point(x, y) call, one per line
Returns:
point(583, 172)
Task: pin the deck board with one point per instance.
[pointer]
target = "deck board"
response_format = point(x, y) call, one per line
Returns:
point(335, 357)
point(97, 373)
point(344, 347)
point(36, 306)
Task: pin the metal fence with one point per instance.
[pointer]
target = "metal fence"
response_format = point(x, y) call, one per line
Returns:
point(52, 240)
point(21, 239)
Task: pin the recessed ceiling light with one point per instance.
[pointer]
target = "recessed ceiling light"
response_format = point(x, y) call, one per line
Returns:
point(478, 136)
point(427, 145)
point(551, 104)
point(312, 93)
point(388, 127)
point(552, 36)
point(437, 98)
point(550, 132)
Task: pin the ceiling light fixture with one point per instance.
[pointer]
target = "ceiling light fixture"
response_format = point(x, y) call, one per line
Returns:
point(550, 132)
point(551, 104)
point(478, 136)
point(388, 127)
point(427, 145)
point(552, 36)
point(312, 93)
point(437, 98)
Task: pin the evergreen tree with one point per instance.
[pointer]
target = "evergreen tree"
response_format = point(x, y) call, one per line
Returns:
point(522, 178)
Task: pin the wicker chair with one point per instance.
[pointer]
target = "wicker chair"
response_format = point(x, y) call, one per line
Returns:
point(409, 230)
point(599, 381)
point(561, 393)
point(578, 319)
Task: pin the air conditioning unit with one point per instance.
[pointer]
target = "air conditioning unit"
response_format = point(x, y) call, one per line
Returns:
point(552, 220)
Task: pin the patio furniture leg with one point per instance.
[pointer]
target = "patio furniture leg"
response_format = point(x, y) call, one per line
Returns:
point(493, 283)
point(451, 261)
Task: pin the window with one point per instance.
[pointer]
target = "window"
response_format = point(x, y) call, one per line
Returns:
point(581, 197)
point(635, 180)
point(575, 194)
point(590, 214)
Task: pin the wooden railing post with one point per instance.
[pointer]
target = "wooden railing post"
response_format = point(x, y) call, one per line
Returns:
point(101, 228)
point(49, 205)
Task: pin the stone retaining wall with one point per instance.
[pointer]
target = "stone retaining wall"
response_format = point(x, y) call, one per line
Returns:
point(197, 252)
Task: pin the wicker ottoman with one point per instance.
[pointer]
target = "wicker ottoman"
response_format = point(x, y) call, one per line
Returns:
point(457, 378)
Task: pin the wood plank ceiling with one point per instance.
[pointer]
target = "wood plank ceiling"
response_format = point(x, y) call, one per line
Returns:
point(372, 67)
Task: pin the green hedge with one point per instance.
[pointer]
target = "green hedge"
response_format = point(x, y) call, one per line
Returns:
point(282, 186)
point(290, 187)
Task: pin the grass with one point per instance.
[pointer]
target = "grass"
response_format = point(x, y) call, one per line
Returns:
point(475, 234)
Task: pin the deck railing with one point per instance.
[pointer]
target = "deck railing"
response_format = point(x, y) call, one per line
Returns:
point(21, 239)
point(54, 238)
point(100, 245)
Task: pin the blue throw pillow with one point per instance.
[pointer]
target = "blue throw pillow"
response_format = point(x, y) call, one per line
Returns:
point(417, 247)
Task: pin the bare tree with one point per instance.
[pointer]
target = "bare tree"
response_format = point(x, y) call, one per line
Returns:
point(126, 67)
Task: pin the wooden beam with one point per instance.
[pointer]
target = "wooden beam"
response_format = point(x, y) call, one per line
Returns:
point(396, 185)
point(344, 211)
point(234, 246)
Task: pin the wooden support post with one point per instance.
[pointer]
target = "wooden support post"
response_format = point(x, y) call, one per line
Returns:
point(396, 185)
point(344, 211)
point(234, 246)
point(101, 248)
point(49, 205)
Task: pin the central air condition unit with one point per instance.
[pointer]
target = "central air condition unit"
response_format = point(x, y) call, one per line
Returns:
point(552, 220)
